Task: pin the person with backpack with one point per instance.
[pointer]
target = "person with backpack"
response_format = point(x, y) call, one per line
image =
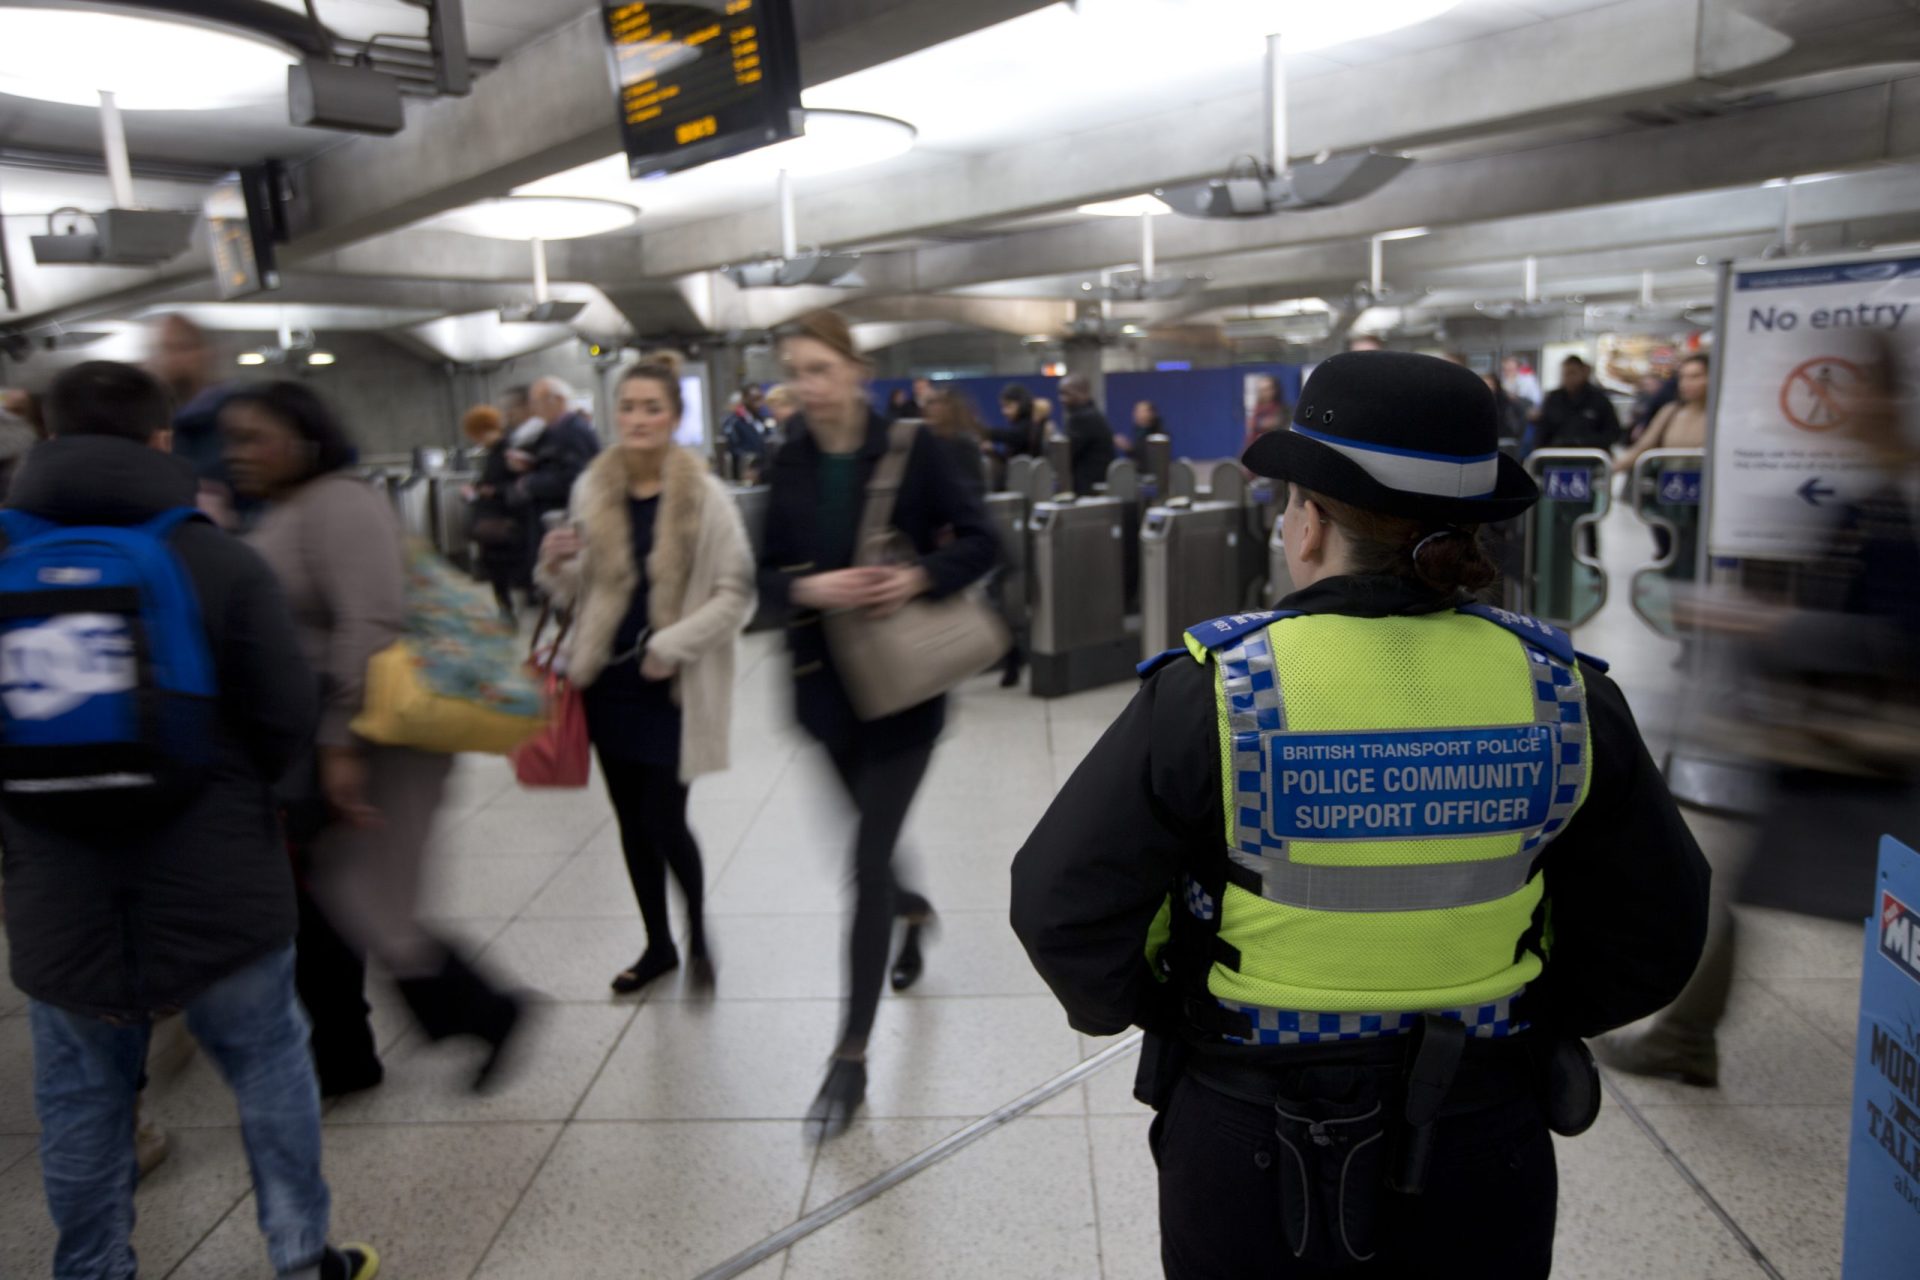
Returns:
point(336, 547)
point(145, 870)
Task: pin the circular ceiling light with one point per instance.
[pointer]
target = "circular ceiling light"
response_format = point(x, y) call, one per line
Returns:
point(148, 64)
point(837, 140)
point(538, 218)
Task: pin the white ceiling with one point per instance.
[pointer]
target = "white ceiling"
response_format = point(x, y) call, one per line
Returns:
point(495, 29)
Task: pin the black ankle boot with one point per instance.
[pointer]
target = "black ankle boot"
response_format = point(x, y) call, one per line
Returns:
point(458, 1001)
point(840, 1096)
point(1010, 675)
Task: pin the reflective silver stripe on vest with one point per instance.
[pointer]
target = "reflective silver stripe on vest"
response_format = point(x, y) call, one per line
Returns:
point(1256, 709)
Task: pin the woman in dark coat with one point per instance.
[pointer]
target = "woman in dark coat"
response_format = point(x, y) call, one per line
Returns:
point(499, 529)
point(819, 488)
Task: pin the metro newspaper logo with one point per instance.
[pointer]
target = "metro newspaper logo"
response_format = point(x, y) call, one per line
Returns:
point(1900, 934)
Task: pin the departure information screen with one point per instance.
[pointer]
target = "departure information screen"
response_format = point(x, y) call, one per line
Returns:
point(703, 79)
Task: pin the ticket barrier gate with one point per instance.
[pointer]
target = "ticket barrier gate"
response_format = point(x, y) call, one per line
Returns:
point(413, 499)
point(1080, 635)
point(1219, 480)
point(1190, 569)
point(1261, 511)
point(1565, 583)
point(1123, 482)
point(752, 503)
point(1031, 478)
point(453, 516)
point(1059, 457)
point(1007, 512)
point(1155, 453)
point(1665, 495)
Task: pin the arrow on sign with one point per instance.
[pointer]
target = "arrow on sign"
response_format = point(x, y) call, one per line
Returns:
point(1813, 491)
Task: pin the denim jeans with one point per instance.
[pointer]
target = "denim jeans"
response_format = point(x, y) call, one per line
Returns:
point(87, 1071)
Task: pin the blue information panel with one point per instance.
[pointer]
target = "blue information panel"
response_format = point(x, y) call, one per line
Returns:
point(1680, 488)
point(1883, 1168)
point(1569, 484)
point(1404, 783)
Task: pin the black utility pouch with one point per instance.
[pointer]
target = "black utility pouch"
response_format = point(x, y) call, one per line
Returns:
point(1332, 1173)
point(1572, 1087)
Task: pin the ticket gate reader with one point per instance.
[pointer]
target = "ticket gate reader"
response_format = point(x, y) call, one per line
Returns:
point(1059, 456)
point(1156, 467)
point(1123, 482)
point(453, 516)
point(1080, 635)
point(1565, 581)
point(1190, 569)
point(1666, 496)
point(1007, 512)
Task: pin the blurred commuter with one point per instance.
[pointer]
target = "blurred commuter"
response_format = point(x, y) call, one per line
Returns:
point(1518, 377)
point(1832, 709)
point(745, 434)
point(180, 900)
point(1351, 1009)
point(19, 433)
point(807, 568)
point(1682, 422)
point(495, 525)
point(186, 363)
point(1577, 414)
point(557, 457)
point(1044, 426)
point(782, 404)
point(1019, 434)
point(654, 565)
point(336, 546)
point(953, 422)
point(523, 424)
point(1269, 411)
point(1088, 435)
point(1509, 413)
point(901, 404)
point(1147, 420)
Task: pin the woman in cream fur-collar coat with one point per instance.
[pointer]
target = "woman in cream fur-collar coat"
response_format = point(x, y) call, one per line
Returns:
point(656, 569)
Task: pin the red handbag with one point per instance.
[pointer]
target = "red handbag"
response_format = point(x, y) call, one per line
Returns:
point(561, 754)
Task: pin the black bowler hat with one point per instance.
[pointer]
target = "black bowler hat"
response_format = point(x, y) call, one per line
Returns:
point(1400, 434)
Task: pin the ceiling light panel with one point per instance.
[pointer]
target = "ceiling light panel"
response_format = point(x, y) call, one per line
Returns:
point(1130, 207)
point(528, 217)
point(148, 64)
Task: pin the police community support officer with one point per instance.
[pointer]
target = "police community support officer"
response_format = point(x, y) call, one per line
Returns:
point(1366, 868)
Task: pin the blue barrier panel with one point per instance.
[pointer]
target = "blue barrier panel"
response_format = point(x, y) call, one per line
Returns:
point(1883, 1167)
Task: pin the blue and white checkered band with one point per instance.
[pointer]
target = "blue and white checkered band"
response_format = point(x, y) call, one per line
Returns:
point(1284, 1026)
point(1200, 903)
point(1439, 475)
point(1554, 747)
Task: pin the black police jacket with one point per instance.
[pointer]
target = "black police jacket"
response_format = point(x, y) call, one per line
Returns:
point(1625, 882)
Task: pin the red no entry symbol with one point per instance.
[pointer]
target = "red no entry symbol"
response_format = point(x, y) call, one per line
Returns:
point(1816, 396)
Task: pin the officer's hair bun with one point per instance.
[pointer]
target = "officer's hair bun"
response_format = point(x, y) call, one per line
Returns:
point(1443, 560)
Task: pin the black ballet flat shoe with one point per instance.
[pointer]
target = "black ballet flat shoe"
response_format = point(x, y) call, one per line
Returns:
point(701, 972)
point(838, 1101)
point(656, 963)
point(910, 964)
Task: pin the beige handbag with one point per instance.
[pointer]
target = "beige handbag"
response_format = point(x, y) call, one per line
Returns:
point(926, 647)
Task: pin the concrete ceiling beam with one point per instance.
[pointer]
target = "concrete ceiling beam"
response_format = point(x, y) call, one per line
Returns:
point(552, 106)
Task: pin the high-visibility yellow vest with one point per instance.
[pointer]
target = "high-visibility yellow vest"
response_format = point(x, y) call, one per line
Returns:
point(1389, 784)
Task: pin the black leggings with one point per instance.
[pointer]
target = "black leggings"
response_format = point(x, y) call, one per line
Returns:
point(650, 802)
point(881, 786)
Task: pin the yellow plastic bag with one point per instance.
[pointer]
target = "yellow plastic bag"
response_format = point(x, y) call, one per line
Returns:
point(402, 711)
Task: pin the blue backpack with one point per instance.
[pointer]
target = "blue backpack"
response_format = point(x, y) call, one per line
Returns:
point(107, 688)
